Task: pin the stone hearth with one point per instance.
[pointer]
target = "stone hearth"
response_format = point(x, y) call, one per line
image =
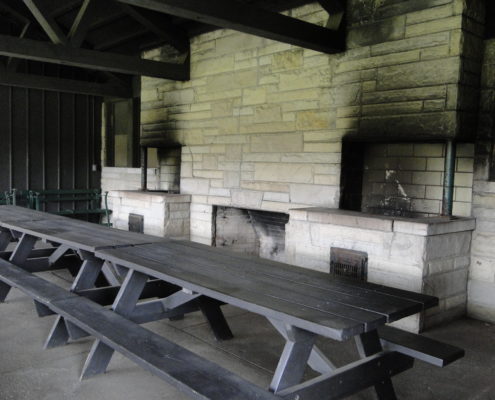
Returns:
point(165, 214)
point(428, 255)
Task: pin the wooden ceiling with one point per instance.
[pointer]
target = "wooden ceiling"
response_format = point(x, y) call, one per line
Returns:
point(98, 43)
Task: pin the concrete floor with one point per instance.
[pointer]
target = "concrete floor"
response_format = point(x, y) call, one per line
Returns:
point(27, 372)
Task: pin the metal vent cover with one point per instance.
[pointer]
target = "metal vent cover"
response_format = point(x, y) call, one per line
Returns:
point(136, 223)
point(348, 263)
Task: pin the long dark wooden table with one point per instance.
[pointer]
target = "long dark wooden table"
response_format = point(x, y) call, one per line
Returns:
point(301, 304)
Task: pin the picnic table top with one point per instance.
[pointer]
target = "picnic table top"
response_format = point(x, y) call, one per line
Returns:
point(311, 300)
point(71, 232)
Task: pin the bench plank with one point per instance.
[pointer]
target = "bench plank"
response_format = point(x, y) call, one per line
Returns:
point(421, 347)
point(34, 286)
point(191, 373)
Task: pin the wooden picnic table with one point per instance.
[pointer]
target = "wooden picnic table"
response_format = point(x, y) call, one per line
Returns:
point(301, 305)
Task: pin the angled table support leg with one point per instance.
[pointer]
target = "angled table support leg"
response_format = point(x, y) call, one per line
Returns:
point(317, 360)
point(5, 238)
point(294, 358)
point(124, 304)
point(18, 257)
point(23, 249)
point(57, 254)
point(368, 344)
point(85, 279)
point(214, 315)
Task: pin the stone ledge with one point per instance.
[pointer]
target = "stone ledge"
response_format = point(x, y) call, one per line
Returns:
point(152, 197)
point(418, 226)
point(355, 219)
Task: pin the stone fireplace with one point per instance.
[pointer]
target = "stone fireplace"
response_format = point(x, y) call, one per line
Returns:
point(254, 232)
point(428, 255)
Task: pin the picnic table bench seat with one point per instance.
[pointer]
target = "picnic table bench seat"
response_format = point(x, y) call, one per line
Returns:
point(189, 372)
point(420, 347)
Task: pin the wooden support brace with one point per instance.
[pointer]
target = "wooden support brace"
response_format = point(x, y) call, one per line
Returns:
point(290, 369)
point(368, 344)
point(214, 315)
point(124, 304)
point(351, 378)
point(317, 360)
point(5, 238)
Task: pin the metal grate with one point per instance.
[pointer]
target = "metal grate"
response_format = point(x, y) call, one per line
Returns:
point(136, 223)
point(348, 263)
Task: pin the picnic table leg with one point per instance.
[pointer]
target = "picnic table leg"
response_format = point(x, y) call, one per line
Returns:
point(85, 279)
point(18, 257)
point(368, 344)
point(214, 315)
point(124, 304)
point(295, 356)
point(5, 238)
point(317, 360)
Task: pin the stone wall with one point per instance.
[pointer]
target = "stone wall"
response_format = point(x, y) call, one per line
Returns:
point(481, 302)
point(261, 122)
point(409, 177)
point(114, 178)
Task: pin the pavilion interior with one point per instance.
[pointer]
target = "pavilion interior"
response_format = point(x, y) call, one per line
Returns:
point(281, 129)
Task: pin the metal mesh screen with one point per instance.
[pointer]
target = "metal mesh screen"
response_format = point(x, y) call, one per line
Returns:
point(348, 263)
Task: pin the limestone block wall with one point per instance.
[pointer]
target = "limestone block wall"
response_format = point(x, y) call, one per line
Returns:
point(409, 177)
point(481, 302)
point(114, 178)
point(261, 122)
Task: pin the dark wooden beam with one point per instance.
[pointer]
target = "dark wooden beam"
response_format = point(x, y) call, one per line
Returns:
point(91, 59)
point(63, 85)
point(48, 24)
point(336, 10)
point(161, 26)
point(249, 19)
point(12, 63)
point(82, 23)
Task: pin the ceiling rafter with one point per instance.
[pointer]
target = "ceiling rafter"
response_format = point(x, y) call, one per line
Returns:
point(49, 25)
point(249, 19)
point(160, 25)
point(82, 22)
point(91, 59)
point(63, 85)
point(336, 10)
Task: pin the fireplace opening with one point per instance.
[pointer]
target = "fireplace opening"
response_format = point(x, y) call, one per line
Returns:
point(253, 232)
point(407, 179)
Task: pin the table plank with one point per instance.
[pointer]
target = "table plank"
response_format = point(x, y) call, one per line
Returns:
point(312, 278)
point(393, 308)
point(365, 307)
point(234, 290)
point(78, 234)
point(16, 213)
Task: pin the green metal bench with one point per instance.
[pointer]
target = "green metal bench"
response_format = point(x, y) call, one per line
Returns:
point(92, 200)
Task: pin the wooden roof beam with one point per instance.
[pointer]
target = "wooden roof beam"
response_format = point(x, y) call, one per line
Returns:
point(249, 19)
point(48, 24)
point(160, 26)
point(63, 85)
point(84, 58)
point(336, 9)
point(82, 23)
